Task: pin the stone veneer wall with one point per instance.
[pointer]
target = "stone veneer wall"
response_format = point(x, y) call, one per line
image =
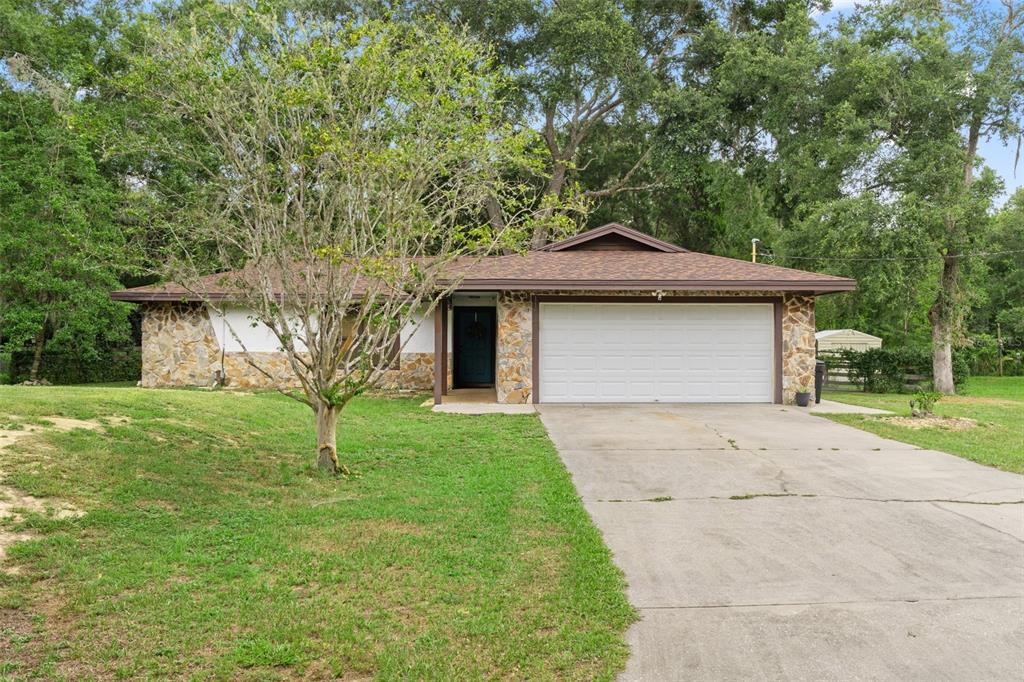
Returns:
point(514, 378)
point(798, 346)
point(180, 348)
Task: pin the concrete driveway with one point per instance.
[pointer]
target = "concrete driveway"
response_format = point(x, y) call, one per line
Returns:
point(764, 543)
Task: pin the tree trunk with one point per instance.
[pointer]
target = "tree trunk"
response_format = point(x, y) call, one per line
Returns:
point(554, 189)
point(327, 438)
point(942, 317)
point(37, 357)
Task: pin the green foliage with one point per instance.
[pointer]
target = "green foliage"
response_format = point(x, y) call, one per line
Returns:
point(65, 367)
point(61, 250)
point(65, 240)
point(1012, 321)
point(924, 401)
point(884, 370)
point(982, 353)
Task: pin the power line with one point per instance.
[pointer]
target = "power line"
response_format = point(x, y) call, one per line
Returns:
point(976, 254)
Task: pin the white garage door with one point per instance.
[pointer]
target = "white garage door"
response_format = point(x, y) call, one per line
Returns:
point(656, 352)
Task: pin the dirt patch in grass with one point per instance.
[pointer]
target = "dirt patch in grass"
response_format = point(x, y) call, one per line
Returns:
point(950, 423)
point(14, 428)
point(8, 538)
point(13, 503)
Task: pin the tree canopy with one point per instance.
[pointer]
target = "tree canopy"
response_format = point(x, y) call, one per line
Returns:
point(850, 148)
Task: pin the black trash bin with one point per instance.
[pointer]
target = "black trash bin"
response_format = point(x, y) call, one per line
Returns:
point(819, 379)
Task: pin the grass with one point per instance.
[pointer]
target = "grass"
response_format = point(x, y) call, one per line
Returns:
point(212, 548)
point(996, 403)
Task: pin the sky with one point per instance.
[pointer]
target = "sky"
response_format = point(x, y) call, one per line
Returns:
point(999, 156)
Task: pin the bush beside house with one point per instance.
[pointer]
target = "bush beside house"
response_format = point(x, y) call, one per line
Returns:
point(57, 367)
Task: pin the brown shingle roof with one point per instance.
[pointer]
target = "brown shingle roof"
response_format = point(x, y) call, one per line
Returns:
point(562, 266)
point(641, 270)
point(582, 270)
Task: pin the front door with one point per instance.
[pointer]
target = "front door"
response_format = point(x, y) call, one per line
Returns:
point(473, 346)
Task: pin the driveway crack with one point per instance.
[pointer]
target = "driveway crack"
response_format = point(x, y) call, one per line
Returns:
point(907, 600)
point(751, 496)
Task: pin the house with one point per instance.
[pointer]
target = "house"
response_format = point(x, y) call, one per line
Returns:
point(845, 339)
point(609, 315)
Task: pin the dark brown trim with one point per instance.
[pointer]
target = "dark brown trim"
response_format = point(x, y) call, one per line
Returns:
point(653, 300)
point(614, 228)
point(535, 348)
point(438, 352)
point(446, 307)
point(775, 301)
point(810, 287)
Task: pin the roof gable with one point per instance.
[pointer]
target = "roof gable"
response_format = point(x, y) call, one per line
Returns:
point(613, 237)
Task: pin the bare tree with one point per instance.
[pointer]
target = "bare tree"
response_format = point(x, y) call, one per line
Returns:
point(346, 169)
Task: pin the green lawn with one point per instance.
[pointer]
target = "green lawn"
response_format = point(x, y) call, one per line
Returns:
point(996, 403)
point(212, 548)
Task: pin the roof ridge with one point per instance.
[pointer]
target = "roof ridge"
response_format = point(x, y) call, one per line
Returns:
point(613, 228)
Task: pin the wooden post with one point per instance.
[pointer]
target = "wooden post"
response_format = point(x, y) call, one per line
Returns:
point(445, 307)
point(999, 347)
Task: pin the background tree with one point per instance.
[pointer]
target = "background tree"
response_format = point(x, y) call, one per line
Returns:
point(1004, 275)
point(953, 84)
point(63, 245)
point(352, 166)
point(576, 66)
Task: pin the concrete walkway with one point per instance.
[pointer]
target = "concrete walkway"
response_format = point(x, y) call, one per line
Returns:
point(833, 407)
point(795, 548)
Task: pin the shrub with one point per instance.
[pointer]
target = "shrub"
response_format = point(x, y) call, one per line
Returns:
point(885, 370)
point(123, 364)
point(982, 355)
point(924, 402)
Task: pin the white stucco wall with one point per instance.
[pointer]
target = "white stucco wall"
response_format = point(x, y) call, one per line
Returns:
point(235, 332)
point(418, 335)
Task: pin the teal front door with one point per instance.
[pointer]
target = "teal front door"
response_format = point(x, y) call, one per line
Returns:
point(473, 344)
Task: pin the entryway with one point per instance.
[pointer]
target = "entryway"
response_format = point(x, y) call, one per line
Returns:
point(473, 346)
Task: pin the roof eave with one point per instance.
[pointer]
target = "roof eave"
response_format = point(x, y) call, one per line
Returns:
point(153, 296)
point(810, 286)
point(816, 287)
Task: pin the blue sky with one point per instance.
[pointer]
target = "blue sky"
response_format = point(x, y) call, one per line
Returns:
point(997, 155)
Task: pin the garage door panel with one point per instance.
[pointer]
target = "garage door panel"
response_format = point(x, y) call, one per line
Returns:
point(608, 352)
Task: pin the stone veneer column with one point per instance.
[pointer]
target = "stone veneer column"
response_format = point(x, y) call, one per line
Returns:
point(798, 356)
point(513, 380)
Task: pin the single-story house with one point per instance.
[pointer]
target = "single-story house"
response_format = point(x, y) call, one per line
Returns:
point(609, 315)
point(845, 339)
